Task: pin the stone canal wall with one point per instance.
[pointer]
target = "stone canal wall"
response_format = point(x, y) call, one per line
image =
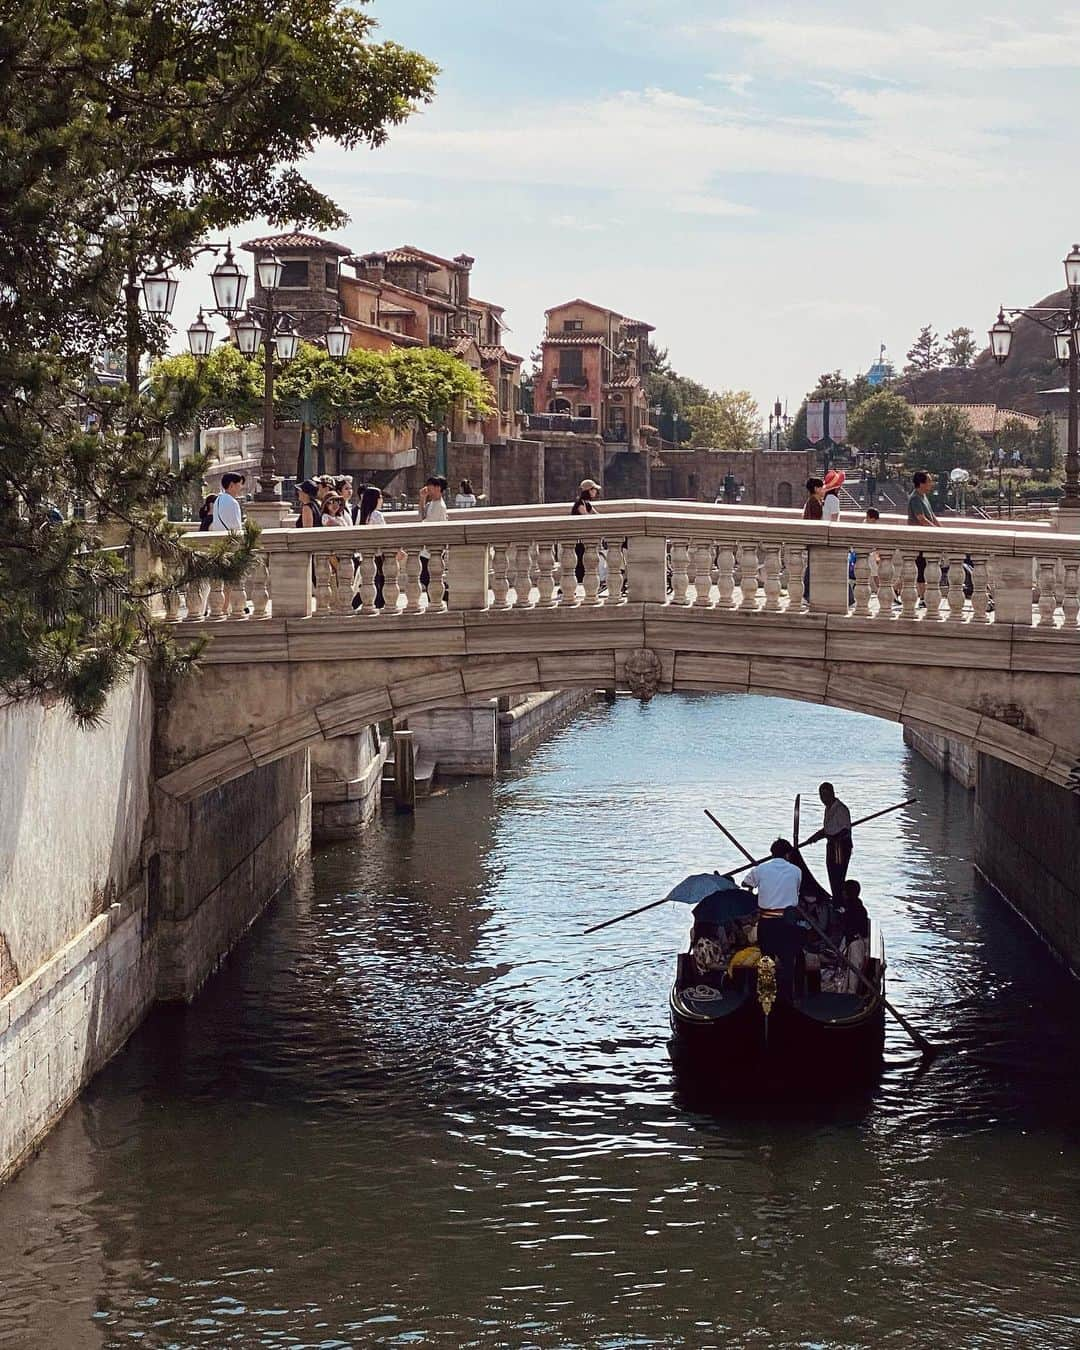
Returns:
point(526, 719)
point(1027, 837)
point(111, 898)
point(1027, 845)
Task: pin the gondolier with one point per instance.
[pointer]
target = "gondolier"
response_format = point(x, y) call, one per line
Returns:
point(836, 831)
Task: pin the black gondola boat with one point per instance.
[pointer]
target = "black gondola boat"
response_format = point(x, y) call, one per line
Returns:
point(728, 1010)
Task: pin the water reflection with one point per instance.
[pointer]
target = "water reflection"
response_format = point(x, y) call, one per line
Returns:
point(418, 1107)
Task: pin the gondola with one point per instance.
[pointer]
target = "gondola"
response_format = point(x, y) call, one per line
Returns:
point(729, 1012)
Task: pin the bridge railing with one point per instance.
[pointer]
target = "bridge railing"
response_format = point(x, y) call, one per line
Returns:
point(715, 559)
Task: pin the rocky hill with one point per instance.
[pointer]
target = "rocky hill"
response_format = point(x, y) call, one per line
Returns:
point(1031, 366)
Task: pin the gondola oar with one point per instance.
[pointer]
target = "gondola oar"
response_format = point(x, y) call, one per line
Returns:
point(795, 819)
point(922, 1044)
point(727, 833)
point(735, 871)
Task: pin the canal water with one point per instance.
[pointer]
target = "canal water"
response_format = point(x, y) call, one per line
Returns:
point(417, 1107)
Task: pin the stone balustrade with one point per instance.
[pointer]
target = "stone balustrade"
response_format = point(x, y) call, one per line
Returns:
point(690, 556)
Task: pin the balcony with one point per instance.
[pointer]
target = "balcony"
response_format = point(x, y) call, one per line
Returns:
point(571, 382)
point(565, 422)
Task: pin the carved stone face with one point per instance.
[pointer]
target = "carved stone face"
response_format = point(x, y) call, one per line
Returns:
point(643, 673)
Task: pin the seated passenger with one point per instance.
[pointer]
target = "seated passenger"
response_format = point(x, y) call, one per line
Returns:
point(780, 934)
point(856, 933)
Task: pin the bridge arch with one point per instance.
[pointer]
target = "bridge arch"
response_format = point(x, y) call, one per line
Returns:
point(209, 737)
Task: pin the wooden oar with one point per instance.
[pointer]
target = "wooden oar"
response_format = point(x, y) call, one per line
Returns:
point(795, 819)
point(735, 871)
point(727, 833)
point(922, 1044)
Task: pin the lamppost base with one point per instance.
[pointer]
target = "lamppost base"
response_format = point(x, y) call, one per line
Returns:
point(271, 515)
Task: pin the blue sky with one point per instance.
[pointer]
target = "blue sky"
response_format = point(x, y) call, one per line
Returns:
point(778, 188)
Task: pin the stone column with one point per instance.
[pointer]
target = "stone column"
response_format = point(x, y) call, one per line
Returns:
point(346, 777)
point(828, 580)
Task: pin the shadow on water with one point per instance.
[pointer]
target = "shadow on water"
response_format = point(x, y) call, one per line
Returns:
point(417, 1107)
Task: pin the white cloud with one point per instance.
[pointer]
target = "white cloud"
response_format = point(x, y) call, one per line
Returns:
point(570, 222)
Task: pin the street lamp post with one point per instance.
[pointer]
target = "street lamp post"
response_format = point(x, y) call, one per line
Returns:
point(1064, 324)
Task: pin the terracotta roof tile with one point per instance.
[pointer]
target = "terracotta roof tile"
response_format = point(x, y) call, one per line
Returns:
point(573, 340)
point(630, 382)
point(986, 418)
point(639, 323)
point(296, 240)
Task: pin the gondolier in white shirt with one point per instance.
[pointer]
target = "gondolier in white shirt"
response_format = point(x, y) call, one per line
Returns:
point(779, 934)
point(836, 831)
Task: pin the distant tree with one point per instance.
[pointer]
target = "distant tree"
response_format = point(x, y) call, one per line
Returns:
point(831, 385)
point(882, 423)
point(960, 348)
point(730, 420)
point(926, 353)
point(1044, 451)
point(944, 439)
point(673, 394)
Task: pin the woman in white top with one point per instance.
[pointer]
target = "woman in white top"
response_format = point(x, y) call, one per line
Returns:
point(333, 505)
point(466, 496)
point(830, 506)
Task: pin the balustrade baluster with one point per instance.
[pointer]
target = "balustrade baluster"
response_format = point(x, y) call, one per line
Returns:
point(909, 594)
point(772, 577)
point(523, 565)
point(953, 587)
point(748, 565)
point(795, 566)
point(1047, 596)
point(725, 576)
point(500, 581)
point(591, 563)
point(862, 584)
point(615, 572)
point(714, 570)
point(260, 590)
point(343, 591)
point(703, 556)
point(391, 586)
point(546, 566)
point(436, 582)
point(1070, 599)
point(217, 599)
point(886, 581)
point(979, 591)
point(195, 600)
point(172, 607)
point(680, 577)
point(413, 591)
point(238, 600)
point(367, 584)
point(324, 588)
point(568, 571)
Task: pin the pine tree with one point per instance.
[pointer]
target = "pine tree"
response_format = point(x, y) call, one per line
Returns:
point(926, 353)
point(960, 348)
point(128, 133)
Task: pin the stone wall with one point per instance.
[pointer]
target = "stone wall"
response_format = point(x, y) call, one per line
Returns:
point(525, 719)
point(953, 757)
point(767, 477)
point(465, 460)
point(567, 460)
point(517, 473)
point(1027, 845)
point(221, 858)
point(346, 776)
point(460, 740)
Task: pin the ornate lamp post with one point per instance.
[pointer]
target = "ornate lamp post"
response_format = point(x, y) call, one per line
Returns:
point(1064, 324)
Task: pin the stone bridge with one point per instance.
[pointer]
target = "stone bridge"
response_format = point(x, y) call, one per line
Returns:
point(680, 597)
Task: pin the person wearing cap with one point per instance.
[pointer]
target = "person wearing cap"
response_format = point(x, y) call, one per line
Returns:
point(588, 490)
point(830, 506)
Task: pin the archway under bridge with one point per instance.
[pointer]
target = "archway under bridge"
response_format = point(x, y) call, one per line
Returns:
point(240, 714)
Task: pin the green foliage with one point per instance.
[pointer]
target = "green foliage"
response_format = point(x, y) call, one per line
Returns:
point(883, 423)
point(1044, 449)
point(674, 394)
point(128, 134)
point(960, 348)
point(726, 421)
point(926, 352)
point(1016, 435)
point(944, 439)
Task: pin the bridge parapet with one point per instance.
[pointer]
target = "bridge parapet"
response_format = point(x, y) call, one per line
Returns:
point(702, 558)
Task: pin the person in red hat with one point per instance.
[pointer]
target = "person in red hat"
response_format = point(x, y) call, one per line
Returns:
point(830, 507)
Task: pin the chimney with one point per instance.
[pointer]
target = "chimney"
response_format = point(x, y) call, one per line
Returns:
point(373, 266)
point(463, 263)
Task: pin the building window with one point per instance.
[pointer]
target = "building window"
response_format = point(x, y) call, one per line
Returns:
point(559, 405)
point(331, 276)
point(571, 325)
point(571, 368)
point(437, 323)
point(294, 274)
point(505, 395)
point(584, 410)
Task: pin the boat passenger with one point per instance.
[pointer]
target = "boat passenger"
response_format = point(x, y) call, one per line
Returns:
point(856, 932)
point(780, 934)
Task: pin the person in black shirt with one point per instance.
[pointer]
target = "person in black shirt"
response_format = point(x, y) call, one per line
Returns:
point(856, 925)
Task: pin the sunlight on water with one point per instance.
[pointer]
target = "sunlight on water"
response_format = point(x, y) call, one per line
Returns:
point(419, 1108)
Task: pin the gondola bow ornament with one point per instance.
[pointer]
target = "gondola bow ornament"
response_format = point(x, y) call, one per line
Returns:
point(766, 984)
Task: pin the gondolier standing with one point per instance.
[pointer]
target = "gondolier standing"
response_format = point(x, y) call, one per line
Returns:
point(836, 831)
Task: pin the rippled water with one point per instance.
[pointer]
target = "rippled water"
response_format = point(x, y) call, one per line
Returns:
point(418, 1108)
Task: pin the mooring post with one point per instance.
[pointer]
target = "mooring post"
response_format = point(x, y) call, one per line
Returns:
point(404, 771)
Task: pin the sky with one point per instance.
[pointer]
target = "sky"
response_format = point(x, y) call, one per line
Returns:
point(777, 188)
